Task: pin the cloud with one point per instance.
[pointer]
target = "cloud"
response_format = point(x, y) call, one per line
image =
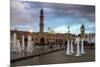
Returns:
point(87, 11)
point(75, 29)
point(57, 16)
point(19, 14)
point(61, 29)
point(64, 9)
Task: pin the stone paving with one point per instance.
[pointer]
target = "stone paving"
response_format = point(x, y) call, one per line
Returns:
point(56, 58)
point(38, 50)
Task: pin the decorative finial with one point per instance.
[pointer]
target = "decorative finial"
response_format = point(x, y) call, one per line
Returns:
point(41, 12)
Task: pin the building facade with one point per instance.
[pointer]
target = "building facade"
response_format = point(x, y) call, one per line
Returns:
point(42, 38)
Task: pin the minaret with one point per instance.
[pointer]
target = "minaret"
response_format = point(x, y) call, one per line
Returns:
point(41, 21)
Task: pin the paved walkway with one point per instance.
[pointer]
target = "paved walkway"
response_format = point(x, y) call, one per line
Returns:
point(57, 57)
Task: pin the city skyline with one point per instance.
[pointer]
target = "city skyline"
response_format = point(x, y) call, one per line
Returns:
point(25, 16)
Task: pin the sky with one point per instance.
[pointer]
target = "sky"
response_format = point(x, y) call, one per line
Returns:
point(25, 16)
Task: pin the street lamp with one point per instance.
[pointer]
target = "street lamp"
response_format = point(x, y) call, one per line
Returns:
point(68, 29)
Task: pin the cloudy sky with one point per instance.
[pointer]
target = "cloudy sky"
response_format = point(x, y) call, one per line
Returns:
point(25, 16)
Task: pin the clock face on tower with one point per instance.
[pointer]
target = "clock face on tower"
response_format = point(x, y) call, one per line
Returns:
point(82, 30)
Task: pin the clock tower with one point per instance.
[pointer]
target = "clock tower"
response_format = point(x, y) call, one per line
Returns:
point(82, 29)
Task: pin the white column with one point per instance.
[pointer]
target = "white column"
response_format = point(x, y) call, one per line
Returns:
point(14, 42)
point(23, 43)
point(82, 46)
point(72, 51)
point(68, 48)
point(29, 45)
point(33, 43)
point(78, 47)
point(18, 46)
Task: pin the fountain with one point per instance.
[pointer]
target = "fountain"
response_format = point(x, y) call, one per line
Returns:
point(68, 44)
point(23, 43)
point(33, 43)
point(11, 47)
point(14, 42)
point(18, 46)
point(72, 51)
point(68, 48)
point(78, 46)
point(82, 46)
point(29, 45)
